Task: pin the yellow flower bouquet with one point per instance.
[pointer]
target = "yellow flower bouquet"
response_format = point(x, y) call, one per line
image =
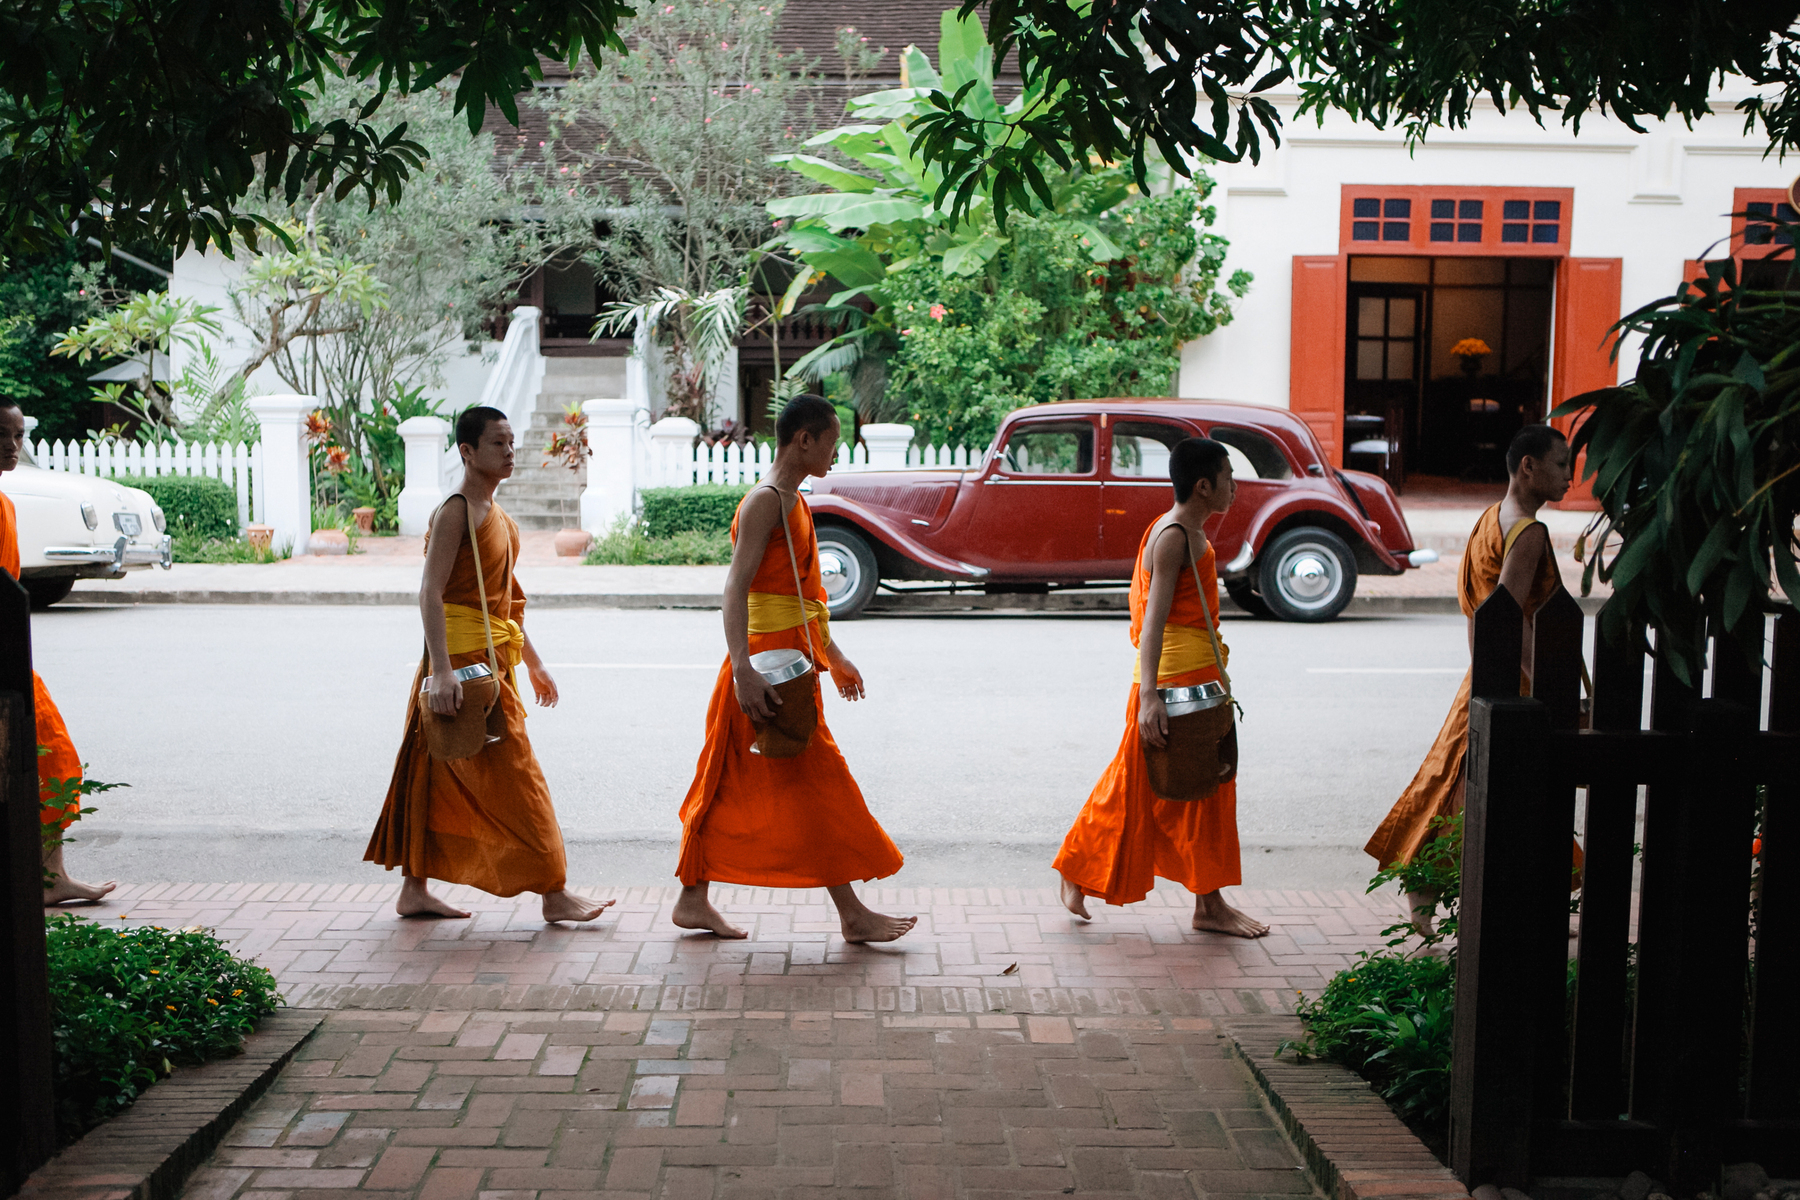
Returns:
point(1471, 348)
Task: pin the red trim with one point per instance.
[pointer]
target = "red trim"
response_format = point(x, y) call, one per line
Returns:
point(1316, 348)
point(1587, 306)
point(1492, 221)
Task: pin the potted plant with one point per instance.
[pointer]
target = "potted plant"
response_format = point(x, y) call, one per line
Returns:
point(568, 447)
point(1469, 352)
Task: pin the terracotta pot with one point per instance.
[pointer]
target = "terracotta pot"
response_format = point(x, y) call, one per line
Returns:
point(260, 536)
point(573, 543)
point(328, 541)
point(365, 519)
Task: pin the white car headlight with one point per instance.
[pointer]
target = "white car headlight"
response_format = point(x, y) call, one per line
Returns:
point(157, 519)
point(90, 514)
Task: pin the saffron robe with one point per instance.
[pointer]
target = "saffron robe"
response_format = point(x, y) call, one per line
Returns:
point(62, 763)
point(778, 822)
point(1437, 789)
point(486, 821)
point(1126, 838)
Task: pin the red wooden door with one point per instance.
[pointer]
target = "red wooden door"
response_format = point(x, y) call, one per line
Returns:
point(1316, 349)
point(1587, 306)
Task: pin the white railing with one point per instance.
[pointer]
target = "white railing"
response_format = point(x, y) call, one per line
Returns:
point(236, 464)
point(516, 380)
point(668, 461)
point(945, 456)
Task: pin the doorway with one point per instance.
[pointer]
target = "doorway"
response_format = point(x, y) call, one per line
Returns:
point(1446, 357)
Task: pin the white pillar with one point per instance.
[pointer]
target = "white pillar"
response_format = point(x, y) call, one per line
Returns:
point(424, 490)
point(725, 399)
point(612, 471)
point(887, 445)
point(637, 369)
point(287, 502)
point(672, 452)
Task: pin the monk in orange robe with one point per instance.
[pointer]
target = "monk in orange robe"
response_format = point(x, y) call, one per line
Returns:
point(487, 820)
point(1509, 547)
point(1126, 837)
point(61, 764)
point(797, 822)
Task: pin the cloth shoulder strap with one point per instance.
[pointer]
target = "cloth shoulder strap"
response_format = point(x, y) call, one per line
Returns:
point(1212, 629)
point(487, 624)
point(787, 536)
point(1512, 535)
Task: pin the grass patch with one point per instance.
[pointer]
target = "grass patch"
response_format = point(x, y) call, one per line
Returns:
point(193, 548)
point(129, 1005)
point(627, 545)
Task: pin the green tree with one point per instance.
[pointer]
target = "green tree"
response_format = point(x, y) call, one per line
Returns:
point(41, 296)
point(154, 121)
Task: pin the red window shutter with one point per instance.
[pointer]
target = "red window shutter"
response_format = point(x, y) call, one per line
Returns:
point(1316, 349)
point(1587, 306)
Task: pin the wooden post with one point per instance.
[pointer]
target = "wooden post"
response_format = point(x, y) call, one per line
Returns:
point(1492, 1068)
point(29, 1135)
point(1498, 646)
point(1774, 1034)
point(1597, 1068)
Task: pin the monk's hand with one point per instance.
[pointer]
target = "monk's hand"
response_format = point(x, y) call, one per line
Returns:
point(754, 695)
point(1153, 719)
point(543, 685)
point(446, 693)
point(845, 676)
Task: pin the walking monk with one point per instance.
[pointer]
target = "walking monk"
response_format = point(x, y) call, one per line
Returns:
point(780, 822)
point(62, 763)
point(1510, 548)
point(1125, 837)
point(485, 821)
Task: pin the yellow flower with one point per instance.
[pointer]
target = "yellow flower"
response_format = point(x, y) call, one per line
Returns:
point(1470, 348)
point(170, 1007)
point(237, 991)
point(154, 971)
point(212, 1002)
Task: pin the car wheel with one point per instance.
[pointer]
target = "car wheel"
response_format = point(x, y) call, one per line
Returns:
point(1245, 597)
point(1306, 574)
point(847, 566)
point(46, 590)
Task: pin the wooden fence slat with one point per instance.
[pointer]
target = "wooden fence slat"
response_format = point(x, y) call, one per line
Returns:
point(1737, 667)
point(1774, 1034)
point(1499, 645)
point(1597, 1052)
point(1556, 658)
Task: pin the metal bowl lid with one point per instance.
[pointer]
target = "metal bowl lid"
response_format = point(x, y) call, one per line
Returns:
point(779, 666)
point(463, 675)
point(1183, 700)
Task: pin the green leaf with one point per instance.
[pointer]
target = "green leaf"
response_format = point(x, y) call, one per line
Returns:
point(851, 265)
point(829, 173)
point(918, 72)
point(848, 210)
point(966, 258)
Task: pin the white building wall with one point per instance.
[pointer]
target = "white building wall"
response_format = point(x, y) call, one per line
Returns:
point(1652, 200)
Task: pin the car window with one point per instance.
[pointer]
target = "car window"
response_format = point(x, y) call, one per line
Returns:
point(1140, 449)
point(1047, 448)
point(1253, 455)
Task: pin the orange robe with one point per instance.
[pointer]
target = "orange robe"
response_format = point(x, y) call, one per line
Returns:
point(62, 763)
point(1437, 790)
point(1125, 837)
point(486, 821)
point(778, 822)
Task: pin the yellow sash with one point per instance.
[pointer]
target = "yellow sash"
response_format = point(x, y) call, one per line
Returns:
point(463, 632)
point(1185, 648)
point(772, 612)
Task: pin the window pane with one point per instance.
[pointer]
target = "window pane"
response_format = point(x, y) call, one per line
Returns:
point(1469, 210)
point(1400, 316)
point(1760, 208)
point(1515, 210)
point(1365, 231)
point(1545, 234)
point(1051, 450)
point(1140, 449)
point(1443, 210)
point(1371, 316)
point(1365, 207)
point(1400, 360)
point(1547, 210)
point(1513, 233)
point(1397, 208)
point(1253, 456)
point(1471, 270)
point(1368, 359)
point(1396, 231)
point(1468, 233)
point(1785, 212)
point(1443, 231)
point(1390, 269)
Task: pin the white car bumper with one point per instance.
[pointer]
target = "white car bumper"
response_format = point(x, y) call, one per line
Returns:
point(122, 553)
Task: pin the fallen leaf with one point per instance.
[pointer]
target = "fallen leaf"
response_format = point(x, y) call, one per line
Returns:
point(1012, 970)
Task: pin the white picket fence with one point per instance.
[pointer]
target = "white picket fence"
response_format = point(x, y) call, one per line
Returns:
point(236, 464)
point(668, 465)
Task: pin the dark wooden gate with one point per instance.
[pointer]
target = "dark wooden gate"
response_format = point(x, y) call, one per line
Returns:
point(1699, 1064)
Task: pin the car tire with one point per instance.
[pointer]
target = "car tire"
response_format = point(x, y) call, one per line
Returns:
point(46, 590)
point(1244, 596)
point(1306, 574)
point(849, 570)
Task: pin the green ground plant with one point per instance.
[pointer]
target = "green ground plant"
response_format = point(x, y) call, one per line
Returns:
point(192, 548)
point(129, 1005)
point(628, 545)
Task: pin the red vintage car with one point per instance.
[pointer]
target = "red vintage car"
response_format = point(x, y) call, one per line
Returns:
point(1063, 496)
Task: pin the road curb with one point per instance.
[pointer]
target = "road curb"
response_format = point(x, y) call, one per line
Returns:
point(148, 1151)
point(1354, 1146)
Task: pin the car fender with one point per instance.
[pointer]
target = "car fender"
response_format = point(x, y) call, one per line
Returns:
point(48, 504)
point(894, 546)
point(1328, 512)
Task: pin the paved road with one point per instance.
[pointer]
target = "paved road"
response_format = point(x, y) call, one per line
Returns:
point(258, 740)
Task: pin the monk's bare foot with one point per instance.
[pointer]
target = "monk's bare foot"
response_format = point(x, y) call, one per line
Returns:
point(1074, 900)
point(567, 906)
point(65, 890)
point(416, 900)
point(1213, 915)
point(860, 923)
point(694, 910)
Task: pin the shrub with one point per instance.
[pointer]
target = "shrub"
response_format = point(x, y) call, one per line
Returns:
point(127, 1005)
point(626, 545)
point(192, 548)
point(197, 504)
point(704, 509)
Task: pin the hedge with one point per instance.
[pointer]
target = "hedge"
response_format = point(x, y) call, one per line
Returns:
point(704, 509)
point(197, 504)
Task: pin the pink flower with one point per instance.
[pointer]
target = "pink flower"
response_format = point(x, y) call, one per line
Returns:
point(938, 311)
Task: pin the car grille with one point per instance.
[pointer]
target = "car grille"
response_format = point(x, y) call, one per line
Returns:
point(914, 501)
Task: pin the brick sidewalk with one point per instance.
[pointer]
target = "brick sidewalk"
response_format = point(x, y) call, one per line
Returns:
point(1000, 1049)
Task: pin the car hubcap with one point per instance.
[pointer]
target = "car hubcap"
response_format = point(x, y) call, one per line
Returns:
point(1308, 577)
point(838, 570)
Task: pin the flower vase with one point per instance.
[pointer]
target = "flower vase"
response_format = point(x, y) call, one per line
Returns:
point(1471, 364)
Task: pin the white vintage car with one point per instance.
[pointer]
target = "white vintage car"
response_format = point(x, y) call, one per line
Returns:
point(79, 527)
